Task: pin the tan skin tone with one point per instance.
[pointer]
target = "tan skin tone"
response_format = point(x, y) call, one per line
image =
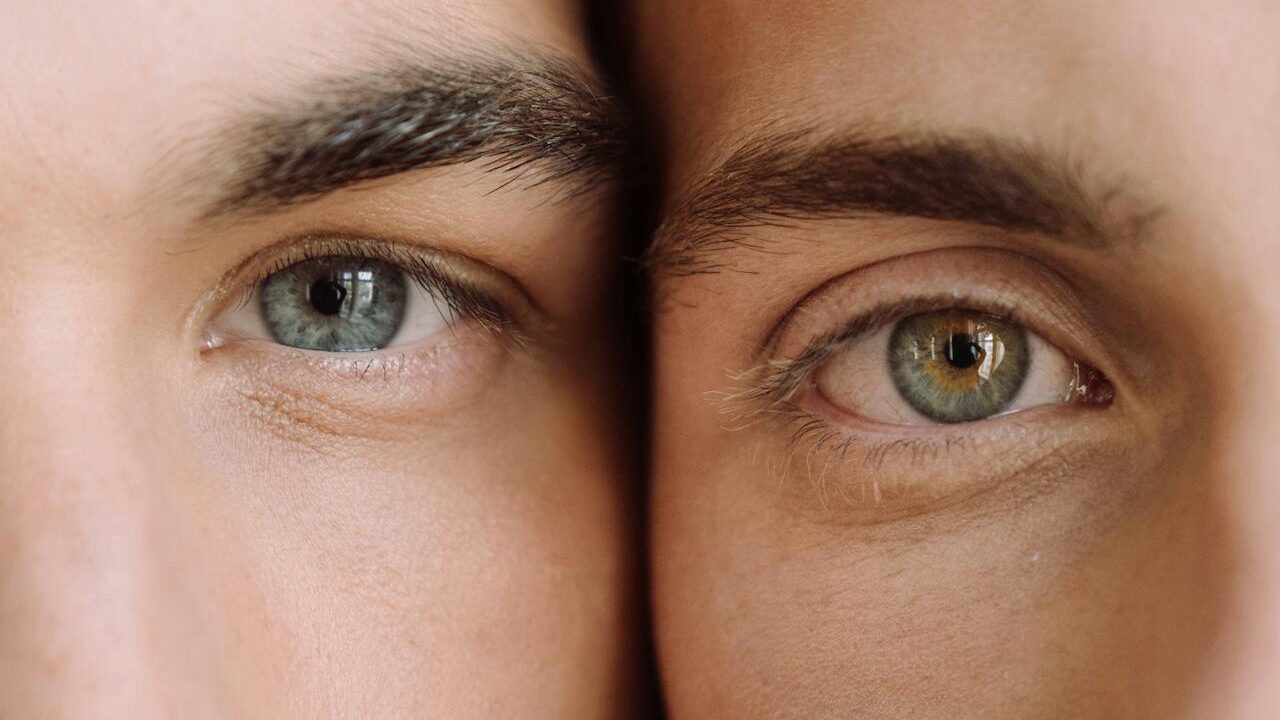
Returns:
point(1067, 559)
point(199, 522)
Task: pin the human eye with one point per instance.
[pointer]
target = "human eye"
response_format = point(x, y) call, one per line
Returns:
point(339, 331)
point(345, 296)
point(925, 379)
point(952, 365)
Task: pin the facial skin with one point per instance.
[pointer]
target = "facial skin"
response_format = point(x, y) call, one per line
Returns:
point(198, 521)
point(1100, 174)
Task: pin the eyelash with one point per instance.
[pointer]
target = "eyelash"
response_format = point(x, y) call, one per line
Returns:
point(464, 298)
point(773, 385)
point(823, 449)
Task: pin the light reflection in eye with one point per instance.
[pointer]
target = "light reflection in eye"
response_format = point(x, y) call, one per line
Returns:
point(952, 366)
point(340, 304)
point(956, 366)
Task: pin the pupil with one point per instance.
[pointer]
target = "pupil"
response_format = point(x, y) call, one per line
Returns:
point(963, 351)
point(327, 296)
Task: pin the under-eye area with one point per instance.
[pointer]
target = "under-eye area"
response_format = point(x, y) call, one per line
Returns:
point(923, 380)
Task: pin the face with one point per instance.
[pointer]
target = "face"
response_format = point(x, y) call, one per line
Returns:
point(966, 323)
point(303, 305)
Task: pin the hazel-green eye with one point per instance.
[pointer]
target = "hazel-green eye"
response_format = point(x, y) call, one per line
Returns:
point(957, 366)
point(953, 366)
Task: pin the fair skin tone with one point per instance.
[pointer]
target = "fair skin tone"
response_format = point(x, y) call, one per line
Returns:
point(200, 520)
point(1096, 182)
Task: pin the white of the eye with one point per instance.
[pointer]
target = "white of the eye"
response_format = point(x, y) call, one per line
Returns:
point(857, 379)
point(1048, 378)
point(424, 316)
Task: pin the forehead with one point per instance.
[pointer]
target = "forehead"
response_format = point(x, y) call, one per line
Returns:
point(1065, 72)
point(100, 100)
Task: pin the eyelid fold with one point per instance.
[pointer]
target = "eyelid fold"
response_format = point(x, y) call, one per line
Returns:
point(472, 291)
point(997, 282)
point(866, 472)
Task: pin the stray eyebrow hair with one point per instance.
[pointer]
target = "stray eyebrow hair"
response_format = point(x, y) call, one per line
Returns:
point(543, 118)
point(777, 179)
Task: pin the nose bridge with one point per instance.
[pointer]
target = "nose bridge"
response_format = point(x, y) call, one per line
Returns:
point(94, 602)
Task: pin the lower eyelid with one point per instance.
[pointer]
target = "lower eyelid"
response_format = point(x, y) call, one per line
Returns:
point(846, 469)
point(867, 476)
point(404, 384)
point(996, 282)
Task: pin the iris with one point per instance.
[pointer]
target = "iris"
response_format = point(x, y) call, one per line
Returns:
point(956, 366)
point(335, 304)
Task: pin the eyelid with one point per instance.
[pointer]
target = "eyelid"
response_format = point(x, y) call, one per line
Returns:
point(473, 290)
point(999, 282)
point(863, 472)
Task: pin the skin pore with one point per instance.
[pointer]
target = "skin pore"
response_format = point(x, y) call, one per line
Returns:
point(199, 521)
point(1099, 175)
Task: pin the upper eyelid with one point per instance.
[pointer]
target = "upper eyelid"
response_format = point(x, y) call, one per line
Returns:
point(1009, 284)
point(1018, 285)
point(783, 377)
point(421, 268)
point(509, 308)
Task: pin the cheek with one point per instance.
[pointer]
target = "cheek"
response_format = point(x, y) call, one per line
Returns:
point(427, 553)
point(1067, 581)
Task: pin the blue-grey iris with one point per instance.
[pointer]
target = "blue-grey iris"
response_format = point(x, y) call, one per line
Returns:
point(336, 304)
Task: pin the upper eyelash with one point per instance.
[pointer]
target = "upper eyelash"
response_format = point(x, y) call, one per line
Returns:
point(462, 298)
point(771, 386)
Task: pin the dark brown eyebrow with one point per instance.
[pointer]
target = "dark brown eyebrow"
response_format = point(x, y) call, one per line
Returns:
point(542, 118)
point(781, 178)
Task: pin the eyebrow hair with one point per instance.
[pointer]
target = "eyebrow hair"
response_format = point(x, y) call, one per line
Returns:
point(781, 178)
point(542, 118)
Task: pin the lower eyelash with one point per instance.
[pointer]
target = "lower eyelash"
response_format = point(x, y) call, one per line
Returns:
point(806, 427)
point(815, 448)
point(766, 390)
point(850, 468)
point(768, 401)
point(386, 366)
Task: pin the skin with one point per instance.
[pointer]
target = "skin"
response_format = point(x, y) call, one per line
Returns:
point(246, 531)
point(1108, 561)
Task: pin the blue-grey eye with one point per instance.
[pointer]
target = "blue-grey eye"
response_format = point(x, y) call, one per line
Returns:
point(335, 304)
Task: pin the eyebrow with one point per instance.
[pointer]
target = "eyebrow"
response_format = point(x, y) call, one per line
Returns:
point(543, 119)
point(781, 178)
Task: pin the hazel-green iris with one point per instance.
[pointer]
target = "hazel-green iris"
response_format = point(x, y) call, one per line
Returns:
point(956, 366)
point(336, 304)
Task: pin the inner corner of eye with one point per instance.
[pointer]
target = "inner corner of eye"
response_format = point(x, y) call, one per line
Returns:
point(1089, 386)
